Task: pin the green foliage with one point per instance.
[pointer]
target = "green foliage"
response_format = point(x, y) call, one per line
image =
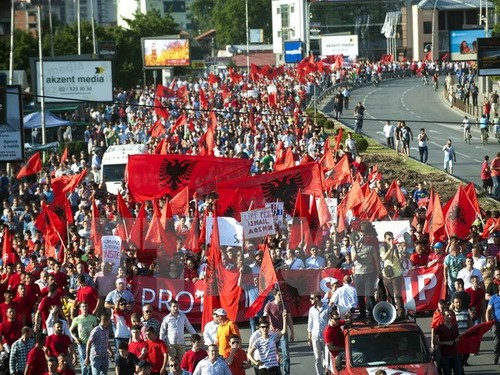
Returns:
point(329, 124)
point(228, 18)
point(361, 142)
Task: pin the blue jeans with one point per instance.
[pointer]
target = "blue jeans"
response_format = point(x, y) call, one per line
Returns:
point(496, 186)
point(285, 352)
point(99, 365)
point(81, 355)
point(449, 363)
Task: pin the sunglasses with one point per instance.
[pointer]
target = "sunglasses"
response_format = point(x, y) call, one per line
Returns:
point(173, 364)
point(312, 298)
point(148, 311)
point(264, 327)
point(235, 342)
point(122, 304)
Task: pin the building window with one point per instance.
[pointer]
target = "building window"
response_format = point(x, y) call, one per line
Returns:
point(279, 34)
point(428, 27)
point(285, 34)
point(174, 7)
point(292, 9)
point(285, 16)
point(278, 10)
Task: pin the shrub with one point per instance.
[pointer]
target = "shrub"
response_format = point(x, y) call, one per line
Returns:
point(329, 124)
point(361, 142)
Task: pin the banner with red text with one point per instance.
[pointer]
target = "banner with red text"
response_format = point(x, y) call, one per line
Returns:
point(422, 289)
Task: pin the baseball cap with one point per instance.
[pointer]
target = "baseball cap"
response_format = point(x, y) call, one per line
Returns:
point(220, 312)
point(121, 280)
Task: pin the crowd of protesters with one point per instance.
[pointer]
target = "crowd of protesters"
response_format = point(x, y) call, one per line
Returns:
point(56, 310)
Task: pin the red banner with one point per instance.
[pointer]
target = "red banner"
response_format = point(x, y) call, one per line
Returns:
point(153, 176)
point(425, 287)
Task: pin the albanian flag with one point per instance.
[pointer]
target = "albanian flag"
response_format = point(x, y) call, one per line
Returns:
point(151, 176)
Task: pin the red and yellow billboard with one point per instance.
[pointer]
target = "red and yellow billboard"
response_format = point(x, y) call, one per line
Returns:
point(165, 52)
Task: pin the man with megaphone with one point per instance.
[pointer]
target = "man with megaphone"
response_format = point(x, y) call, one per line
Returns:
point(366, 270)
point(392, 273)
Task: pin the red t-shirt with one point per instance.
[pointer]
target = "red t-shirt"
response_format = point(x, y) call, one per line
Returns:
point(334, 335)
point(236, 366)
point(45, 304)
point(89, 295)
point(3, 309)
point(447, 334)
point(418, 260)
point(36, 361)
point(156, 351)
point(14, 281)
point(191, 359)
point(135, 347)
point(24, 309)
point(57, 344)
point(476, 299)
point(11, 331)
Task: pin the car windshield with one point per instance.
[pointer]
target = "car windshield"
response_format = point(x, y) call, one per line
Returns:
point(388, 348)
point(113, 172)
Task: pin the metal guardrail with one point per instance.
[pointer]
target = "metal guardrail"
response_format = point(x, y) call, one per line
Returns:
point(358, 83)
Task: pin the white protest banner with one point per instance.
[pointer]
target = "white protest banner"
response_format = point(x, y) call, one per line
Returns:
point(397, 227)
point(112, 250)
point(230, 231)
point(278, 209)
point(332, 207)
point(258, 223)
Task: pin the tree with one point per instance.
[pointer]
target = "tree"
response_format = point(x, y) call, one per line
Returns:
point(228, 18)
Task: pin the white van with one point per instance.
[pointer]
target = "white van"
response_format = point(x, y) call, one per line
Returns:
point(114, 162)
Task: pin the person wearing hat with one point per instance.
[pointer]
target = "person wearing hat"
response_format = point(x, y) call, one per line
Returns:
point(120, 292)
point(436, 256)
point(225, 329)
point(210, 330)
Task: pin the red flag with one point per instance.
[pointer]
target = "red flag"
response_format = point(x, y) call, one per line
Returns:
point(434, 219)
point(470, 190)
point(9, 255)
point(354, 198)
point(288, 162)
point(231, 204)
point(212, 78)
point(394, 194)
point(61, 207)
point(32, 166)
point(372, 208)
point(282, 186)
point(160, 110)
point(95, 232)
point(64, 155)
point(340, 174)
point(180, 203)
point(52, 228)
point(157, 129)
point(459, 214)
point(151, 176)
point(323, 212)
point(138, 230)
point(74, 181)
point(267, 281)
point(470, 340)
point(193, 238)
point(180, 121)
point(338, 139)
point(211, 299)
point(203, 99)
point(156, 235)
point(300, 232)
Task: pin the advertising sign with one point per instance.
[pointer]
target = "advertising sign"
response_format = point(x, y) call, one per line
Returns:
point(346, 45)
point(165, 52)
point(294, 51)
point(488, 56)
point(463, 44)
point(258, 223)
point(85, 80)
point(11, 123)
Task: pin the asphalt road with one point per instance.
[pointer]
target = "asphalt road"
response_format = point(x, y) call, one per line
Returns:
point(421, 107)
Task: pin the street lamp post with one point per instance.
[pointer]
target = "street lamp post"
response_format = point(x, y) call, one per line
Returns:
point(248, 37)
point(41, 79)
point(11, 54)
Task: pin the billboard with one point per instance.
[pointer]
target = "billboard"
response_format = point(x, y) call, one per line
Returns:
point(11, 124)
point(346, 45)
point(67, 80)
point(164, 52)
point(463, 44)
point(488, 56)
point(294, 51)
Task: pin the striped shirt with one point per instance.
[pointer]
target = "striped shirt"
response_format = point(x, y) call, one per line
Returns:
point(19, 355)
point(462, 318)
point(267, 351)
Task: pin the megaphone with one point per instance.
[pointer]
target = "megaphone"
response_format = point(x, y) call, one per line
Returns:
point(384, 313)
point(355, 237)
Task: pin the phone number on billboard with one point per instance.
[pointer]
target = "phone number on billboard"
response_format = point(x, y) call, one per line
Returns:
point(74, 89)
